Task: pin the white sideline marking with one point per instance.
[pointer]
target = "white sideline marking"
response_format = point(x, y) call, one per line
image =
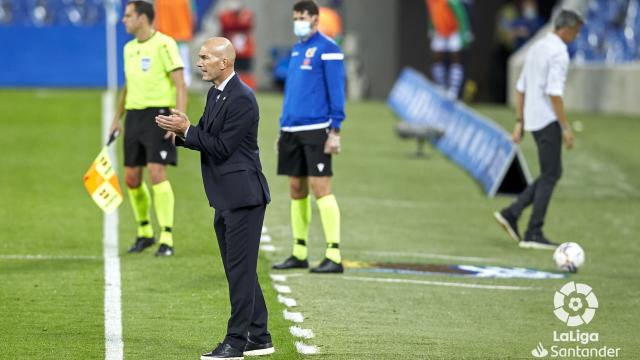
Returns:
point(296, 317)
point(301, 333)
point(112, 293)
point(278, 278)
point(288, 302)
point(306, 349)
point(47, 257)
point(430, 256)
point(114, 346)
point(265, 238)
point(264, 229)
point(282, 289)
point(439, 283)
point(268, 248)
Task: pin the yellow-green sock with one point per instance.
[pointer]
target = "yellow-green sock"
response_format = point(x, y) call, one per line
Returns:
point(140, 202)
point(164, 201)
point(300, 220)
point(330, 216)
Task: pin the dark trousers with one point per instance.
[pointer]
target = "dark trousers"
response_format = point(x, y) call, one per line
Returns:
point(549, 143)
point(238, 232)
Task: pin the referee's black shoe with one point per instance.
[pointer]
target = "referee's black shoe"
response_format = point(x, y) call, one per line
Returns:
point(164, 250)
point(327, 266)
point(141, 244)
point(292, 262)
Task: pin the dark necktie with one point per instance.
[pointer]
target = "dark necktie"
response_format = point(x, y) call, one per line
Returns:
point(217, 93)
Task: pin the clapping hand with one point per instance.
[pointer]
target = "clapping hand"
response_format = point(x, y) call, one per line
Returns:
point(176, 124)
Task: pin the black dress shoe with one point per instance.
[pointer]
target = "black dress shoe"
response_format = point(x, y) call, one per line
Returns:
point(141, 244)
point(291, 263)
point(257, 349)
point(538, 242)
point(508, 223)
point(223, 351)
point(328, 267)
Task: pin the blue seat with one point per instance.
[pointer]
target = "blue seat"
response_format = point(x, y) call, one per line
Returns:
point(612, 32)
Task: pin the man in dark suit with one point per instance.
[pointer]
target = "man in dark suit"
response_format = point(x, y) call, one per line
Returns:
point(226, 138)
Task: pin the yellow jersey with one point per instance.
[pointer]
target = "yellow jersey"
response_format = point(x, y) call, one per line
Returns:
point(147, 68)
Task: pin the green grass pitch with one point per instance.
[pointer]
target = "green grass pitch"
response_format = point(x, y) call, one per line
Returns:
point(395, 208)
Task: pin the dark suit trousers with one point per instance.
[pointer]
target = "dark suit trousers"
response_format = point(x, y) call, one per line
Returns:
point(238, 232)
point(549, 143)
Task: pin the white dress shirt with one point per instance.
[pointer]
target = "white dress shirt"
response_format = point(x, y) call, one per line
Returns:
point(544, 74)
point(221, 88)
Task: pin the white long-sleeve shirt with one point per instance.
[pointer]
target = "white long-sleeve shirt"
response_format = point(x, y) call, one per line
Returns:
point(544, 75)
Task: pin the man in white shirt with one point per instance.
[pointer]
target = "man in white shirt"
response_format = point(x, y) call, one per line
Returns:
point(540, 110)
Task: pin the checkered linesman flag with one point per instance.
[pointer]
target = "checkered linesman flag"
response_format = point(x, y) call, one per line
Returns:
point(101, 180)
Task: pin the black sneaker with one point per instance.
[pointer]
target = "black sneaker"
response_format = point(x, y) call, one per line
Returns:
point(256, 349)
point(223, 351)
point(509, 224)
point(292, 262)
point(328, 267)
point(141, 244)
point(538, 242)
point(164, 250)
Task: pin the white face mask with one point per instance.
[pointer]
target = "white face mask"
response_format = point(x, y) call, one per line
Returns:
point(301, 28)
point(530, 13)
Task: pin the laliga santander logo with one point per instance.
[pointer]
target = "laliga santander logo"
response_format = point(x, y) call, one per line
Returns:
point(575, 304)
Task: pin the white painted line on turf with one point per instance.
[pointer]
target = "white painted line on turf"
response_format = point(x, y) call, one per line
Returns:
point(282, 289)
point(296, 317)
point(268, 248)
point(278, 278)
point(47, 257)
point(430, 256)
point(288, 302)
point(301, 333)
point(112, 291)
point(306, 349)
point(114, 346)
point(439, 283)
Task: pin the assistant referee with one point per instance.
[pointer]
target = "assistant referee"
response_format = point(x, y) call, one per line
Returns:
point(154, 84)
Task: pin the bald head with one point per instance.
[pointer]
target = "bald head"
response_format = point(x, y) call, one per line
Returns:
point(216, 59)
point(221, 47)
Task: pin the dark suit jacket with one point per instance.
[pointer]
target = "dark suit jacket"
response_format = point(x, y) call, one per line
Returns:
point(227, 138)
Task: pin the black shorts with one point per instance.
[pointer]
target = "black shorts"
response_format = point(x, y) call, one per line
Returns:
point(144, 140)
point(302, 154)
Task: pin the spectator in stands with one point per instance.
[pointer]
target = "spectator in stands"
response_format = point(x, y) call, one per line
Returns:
point(236, 23)
point(6, 12)
point(527, 24)
point(154, 84)
point(451, 34)
point(504, 46)
point(176, 18)
point(540, 109)
point(312, 115)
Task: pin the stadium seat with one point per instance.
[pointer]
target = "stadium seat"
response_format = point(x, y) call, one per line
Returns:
point(611, 34)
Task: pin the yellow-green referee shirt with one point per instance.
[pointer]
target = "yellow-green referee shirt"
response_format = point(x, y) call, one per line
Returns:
point(147, 65)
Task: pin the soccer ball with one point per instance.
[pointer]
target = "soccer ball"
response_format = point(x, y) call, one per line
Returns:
point(569, 257)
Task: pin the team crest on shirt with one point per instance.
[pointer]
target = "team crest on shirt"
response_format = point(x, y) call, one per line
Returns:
point(311, 52)
point(145, 63)
point(306, 64)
